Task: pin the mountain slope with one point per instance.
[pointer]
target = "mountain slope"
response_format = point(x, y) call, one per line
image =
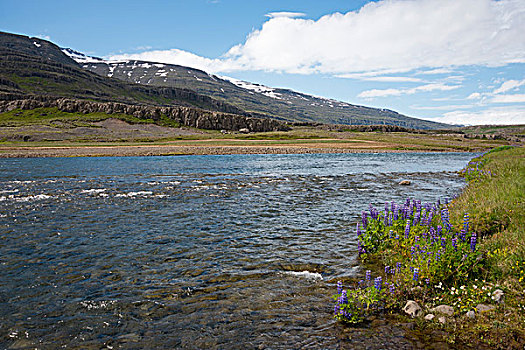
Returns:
point(253, 98)
point(32, 66)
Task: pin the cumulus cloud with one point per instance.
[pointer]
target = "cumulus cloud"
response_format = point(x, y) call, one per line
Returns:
point(488, 116)
point(285, 14)
point(509, 85)
point(394, 35)
point(397, 92)
point(516, 98)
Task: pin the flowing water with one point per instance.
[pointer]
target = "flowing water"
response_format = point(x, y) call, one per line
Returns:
point(202, 252)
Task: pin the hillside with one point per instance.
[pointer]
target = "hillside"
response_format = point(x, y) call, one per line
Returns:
point(258, 100)
point(32, 66)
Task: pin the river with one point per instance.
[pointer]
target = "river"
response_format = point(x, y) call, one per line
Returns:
point(197, 252)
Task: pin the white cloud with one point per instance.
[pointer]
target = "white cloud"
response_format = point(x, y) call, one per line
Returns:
point(44, 37)
point(474, 96)
point(493, 116)
point(397, 92)
point(441, 108)
point(516, 98)
point(383, 79)
point(389, 35)
point(436, 71)
point(285, 14)
point(509, 85)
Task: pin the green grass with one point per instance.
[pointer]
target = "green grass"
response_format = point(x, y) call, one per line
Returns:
point(496, 205)
point(48, 116)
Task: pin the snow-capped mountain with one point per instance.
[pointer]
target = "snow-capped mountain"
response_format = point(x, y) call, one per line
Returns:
point(256, 99)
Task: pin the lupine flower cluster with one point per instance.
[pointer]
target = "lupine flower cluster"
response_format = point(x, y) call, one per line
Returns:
point(419, 247)
point(474, 171)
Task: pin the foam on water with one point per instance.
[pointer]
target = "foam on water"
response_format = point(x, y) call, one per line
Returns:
point(305, 274)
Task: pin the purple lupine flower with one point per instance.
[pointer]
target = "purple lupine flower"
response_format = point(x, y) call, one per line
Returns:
point(358, 230)
point(386, 208)
point(344, 298)
point(439, 230)
point(443, 242)
point(368, 275)
point(412, 251)
point(392, 206)
point(473, 242)
point(364, 219)
point(396, 212)
point(407, 229)
point(455, 243)
point(392, 288)
point(360, 248)
point(336, 309)
point(416, 274)
point(463, 235)
point(416, 239)
point(466, 222)
point(387, 268)
point(378, 283)
point(398, 266)
point(339, 287)
point(427, 281)
point(416, 218)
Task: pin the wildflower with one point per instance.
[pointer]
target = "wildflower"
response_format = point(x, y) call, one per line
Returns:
point(416, 274)
point(392, 288)
point(455, 243)
point(378, 282)
point(344, 298)
point(339, 287)
point(473, 242)
point(387, 268)
point(358, 230)
point(364, 219)
point(407, 229)
point(368, 275)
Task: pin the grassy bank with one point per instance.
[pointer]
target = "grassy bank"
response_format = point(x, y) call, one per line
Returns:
point(467, 254)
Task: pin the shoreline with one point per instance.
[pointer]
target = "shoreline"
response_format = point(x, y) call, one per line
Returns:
point(170, 150)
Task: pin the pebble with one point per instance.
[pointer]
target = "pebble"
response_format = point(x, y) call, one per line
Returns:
point(471, 314)
point(405, 183)
point(412, 308)
point(444, 309)
point(484, 308)
point(429, 317)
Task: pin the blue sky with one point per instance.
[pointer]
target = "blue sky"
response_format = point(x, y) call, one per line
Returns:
point(458, 61)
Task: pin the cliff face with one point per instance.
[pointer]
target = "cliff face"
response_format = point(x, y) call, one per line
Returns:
point(188, 116)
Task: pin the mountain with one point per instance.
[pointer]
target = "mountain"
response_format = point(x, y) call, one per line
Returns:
point(32, 66)
point(256, 99)
point(37, 67)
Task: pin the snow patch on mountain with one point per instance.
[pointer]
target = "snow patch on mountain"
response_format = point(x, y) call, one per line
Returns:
point(265, 90)
point(80, 57)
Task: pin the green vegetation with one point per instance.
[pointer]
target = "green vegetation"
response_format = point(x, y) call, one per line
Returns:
point(462, 254)
point(50, 116)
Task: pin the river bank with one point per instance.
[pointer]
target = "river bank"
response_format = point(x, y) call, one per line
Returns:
point(455, 268)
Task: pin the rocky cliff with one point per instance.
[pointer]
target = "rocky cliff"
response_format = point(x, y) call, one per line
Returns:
point(188, 116)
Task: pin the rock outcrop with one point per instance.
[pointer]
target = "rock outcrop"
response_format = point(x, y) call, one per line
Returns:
point(187, 116)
